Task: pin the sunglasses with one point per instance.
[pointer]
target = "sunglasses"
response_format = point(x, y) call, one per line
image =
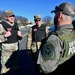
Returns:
point(12, 16)
point(37, 20)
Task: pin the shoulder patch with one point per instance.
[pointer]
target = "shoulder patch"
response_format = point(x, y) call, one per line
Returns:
point(48, 52)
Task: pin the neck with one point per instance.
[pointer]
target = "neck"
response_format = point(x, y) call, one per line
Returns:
point(64, 23)
point(10, 23)
point(39, 25)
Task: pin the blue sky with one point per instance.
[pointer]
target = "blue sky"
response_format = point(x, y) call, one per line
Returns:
point(28, 8)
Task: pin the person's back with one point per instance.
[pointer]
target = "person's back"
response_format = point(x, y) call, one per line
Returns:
point(60, 43)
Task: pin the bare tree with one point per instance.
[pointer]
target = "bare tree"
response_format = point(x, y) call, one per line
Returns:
point(47, 20)
point(2, 15)
point(21, 20)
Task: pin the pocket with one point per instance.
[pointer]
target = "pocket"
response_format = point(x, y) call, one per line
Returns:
point(10, 47)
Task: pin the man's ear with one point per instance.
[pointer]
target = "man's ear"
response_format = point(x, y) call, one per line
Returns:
point(60, 15)
point(5, 17)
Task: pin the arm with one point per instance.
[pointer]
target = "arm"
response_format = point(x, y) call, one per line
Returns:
point(19, 33)
point(29, 39)
point(56, 43)
point(47, 30)
point(49, 55)
point(2, 34)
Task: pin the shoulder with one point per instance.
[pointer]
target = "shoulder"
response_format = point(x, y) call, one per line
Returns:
point(33, 26)
point(15, 23)
point(30, 30)
point(47, 27)
point(2, 23)
point(53, 37)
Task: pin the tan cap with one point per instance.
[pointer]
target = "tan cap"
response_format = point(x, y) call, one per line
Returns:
point(37, 17)
point(9, 13)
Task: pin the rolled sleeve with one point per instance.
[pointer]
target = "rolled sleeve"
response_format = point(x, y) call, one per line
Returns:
point(29, 39)
point(2, 32)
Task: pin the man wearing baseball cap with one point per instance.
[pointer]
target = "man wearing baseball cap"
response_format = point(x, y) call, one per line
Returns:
point(35, 35)
point(59, 46)
point(9, 13)
point(9, 36)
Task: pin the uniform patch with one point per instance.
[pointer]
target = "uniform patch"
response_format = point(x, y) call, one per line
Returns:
point(35, 29)
point(48, 52)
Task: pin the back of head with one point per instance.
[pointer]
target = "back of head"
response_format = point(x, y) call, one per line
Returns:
point(66, 12)
point(66, 8)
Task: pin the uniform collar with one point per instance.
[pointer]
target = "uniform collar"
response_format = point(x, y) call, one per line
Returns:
point(67, 26)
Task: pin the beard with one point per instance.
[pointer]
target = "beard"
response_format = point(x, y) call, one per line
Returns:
point(56, 21)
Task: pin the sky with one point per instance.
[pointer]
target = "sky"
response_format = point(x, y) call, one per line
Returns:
point(29, 8)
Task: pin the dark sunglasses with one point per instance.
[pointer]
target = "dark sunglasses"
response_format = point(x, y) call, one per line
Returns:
point(12, 16)
point(37, 20)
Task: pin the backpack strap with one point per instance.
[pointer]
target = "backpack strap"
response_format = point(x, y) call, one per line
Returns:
point(45, 39)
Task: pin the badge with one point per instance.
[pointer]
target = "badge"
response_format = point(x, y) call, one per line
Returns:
point(48, 52)
point(35, 29)
point(9, 29)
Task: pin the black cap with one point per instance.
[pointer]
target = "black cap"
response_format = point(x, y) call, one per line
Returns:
point(65, 8)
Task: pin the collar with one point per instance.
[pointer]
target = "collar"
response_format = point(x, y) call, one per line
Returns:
point(67, 26)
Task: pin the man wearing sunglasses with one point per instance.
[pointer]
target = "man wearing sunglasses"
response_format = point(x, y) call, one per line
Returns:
point(55, 54)
point(35, 35)
point(9, 36)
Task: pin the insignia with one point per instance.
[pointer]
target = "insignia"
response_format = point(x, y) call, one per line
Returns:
point(35, 29)
point(9, 29)
point(48, 51)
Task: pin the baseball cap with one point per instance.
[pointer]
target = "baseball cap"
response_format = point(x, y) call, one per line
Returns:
point(9, 13)
point(37, 17)
point(65, 8)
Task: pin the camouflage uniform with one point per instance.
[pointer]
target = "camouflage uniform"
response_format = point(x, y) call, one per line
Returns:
point(32, 45)
point(7, 49)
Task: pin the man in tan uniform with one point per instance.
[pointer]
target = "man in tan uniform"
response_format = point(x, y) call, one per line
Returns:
point(35, 35)
point(9, 36)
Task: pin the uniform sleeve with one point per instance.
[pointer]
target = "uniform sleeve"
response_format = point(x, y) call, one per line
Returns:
point(49, 54)
point(19, 37)
point(56, 43)
point(47, 30)
point(29, 39)
point(2, 32)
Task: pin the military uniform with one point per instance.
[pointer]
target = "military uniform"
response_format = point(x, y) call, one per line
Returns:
point(32, 45)
point(35, 34)
point(8, 44)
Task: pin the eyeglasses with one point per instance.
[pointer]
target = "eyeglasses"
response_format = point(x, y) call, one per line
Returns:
point(37, 20)
point(12, 16)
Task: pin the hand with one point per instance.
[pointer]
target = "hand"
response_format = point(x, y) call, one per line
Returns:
point(7, 34)
point(19, 33)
